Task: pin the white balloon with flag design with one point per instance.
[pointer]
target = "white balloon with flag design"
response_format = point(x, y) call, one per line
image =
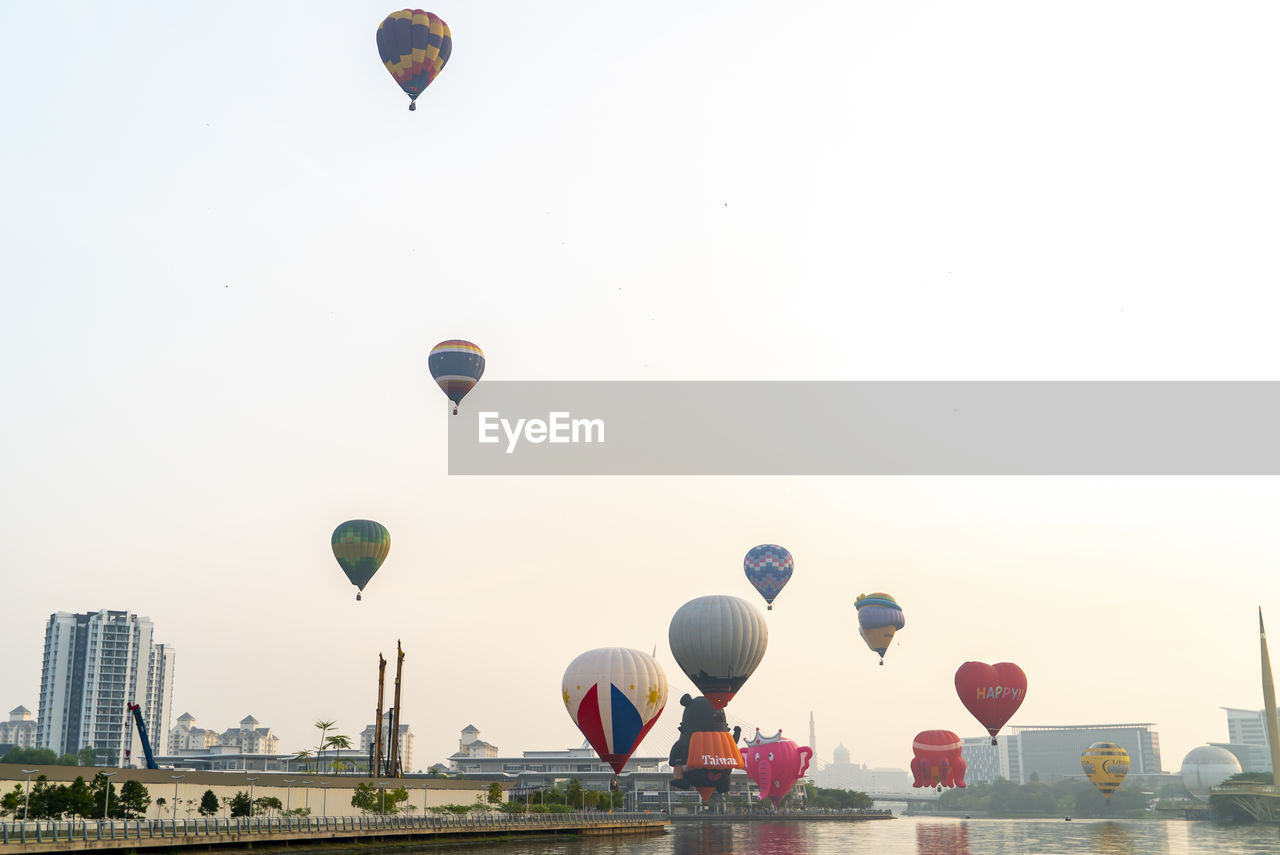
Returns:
point(614, 695)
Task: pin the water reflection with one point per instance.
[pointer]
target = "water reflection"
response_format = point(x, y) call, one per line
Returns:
point(705, 837)
point(1110, 838)
point(779, 838)
point(949, 838)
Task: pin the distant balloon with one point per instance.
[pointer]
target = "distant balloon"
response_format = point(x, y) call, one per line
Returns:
point(1207, 766)
point(718, 641)
point(414, 46)
point(456, 366)
point(769, 568)
point(879, 617)
point(1105, 764)
point(614, 695)
point(775, 764)
point(938, 761)
point(360, 547)
point(992, 693)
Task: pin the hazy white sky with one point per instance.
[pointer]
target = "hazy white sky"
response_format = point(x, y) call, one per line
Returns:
point(227, 248)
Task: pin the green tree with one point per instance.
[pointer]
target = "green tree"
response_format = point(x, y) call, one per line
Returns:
point(31, 756)
point(209, 803)
point(11, 803)
point(240, 804)
point(495, 793)
point(79, 798)
point(87, 756)
point(134, 798)
point(105, 796)
point(574, 795)
point(266, 805)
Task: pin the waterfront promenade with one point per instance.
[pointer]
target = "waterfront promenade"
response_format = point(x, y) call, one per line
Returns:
point(93, 835)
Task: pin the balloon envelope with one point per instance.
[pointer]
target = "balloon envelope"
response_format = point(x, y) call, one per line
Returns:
point(879, 618)
point(938, 760)
point(718, 641)
point(1105, 764)
point(768, 567)
point(360, 547)
point(992, 693)
point(414, 46)
point(614, 695)
point(456, 366)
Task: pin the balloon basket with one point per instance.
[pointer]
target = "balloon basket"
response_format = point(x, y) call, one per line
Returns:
point(412, 106)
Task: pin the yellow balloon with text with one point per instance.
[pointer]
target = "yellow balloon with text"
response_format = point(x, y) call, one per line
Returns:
point(1105, 764)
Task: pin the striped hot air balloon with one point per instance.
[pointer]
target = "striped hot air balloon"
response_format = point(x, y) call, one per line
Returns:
point(718, 642)
point(456, 366)
point(414, 46)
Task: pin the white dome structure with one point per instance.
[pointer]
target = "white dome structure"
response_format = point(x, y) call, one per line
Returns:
point(1205, 767)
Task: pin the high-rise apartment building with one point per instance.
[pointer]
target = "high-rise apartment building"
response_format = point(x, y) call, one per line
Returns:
point(94, 665)
point(368, 737)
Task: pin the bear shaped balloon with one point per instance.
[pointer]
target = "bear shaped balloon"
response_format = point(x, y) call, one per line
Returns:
point(706, 752)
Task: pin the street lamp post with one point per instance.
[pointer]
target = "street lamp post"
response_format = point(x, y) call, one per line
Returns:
point(288, 793)
point(174, 810)
point(306, 795)
point(250, 780)
point(106, 793)
point(324, 801)
point(26, 803)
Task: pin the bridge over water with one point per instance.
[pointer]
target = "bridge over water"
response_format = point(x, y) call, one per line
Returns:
point(42, 836)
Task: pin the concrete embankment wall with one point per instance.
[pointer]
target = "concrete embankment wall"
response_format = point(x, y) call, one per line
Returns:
point(323, 794)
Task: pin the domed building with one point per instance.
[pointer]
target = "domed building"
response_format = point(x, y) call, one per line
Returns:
point(1205, 767)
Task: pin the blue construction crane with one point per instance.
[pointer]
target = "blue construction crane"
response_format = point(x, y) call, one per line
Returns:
point(142, 734)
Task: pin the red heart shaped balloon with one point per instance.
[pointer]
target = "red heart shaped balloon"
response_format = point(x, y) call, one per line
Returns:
point(992, 693)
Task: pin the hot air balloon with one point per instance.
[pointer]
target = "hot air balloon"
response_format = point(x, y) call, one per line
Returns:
point(938, 761)
point(414, 46)
point(992, 693)
point(1105, 764)
point(360, 547)
point(614, 695)
point(718, 641)
point(705, 755)
point(879, 617)
point(456, 366)
point(768, 567)
point(775, 764)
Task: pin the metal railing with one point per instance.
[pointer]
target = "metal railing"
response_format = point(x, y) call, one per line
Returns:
point(53, 831)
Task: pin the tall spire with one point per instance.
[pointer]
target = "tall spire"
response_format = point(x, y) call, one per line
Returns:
point(1269, 700)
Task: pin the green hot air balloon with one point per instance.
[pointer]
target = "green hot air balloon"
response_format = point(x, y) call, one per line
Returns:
point(360, 547)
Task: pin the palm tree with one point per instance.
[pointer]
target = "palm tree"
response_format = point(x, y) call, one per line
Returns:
point(338, 741)
point(304, 757)
point(323, 727)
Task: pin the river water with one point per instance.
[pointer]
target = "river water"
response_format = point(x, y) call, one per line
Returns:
point(914, 836)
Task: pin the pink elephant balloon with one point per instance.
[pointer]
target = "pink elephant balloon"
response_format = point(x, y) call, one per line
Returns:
point(775, 764)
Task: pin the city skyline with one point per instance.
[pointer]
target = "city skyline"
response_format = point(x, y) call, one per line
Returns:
point(219, 306)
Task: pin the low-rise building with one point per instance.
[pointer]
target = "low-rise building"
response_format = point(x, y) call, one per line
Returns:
point(20, 730)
